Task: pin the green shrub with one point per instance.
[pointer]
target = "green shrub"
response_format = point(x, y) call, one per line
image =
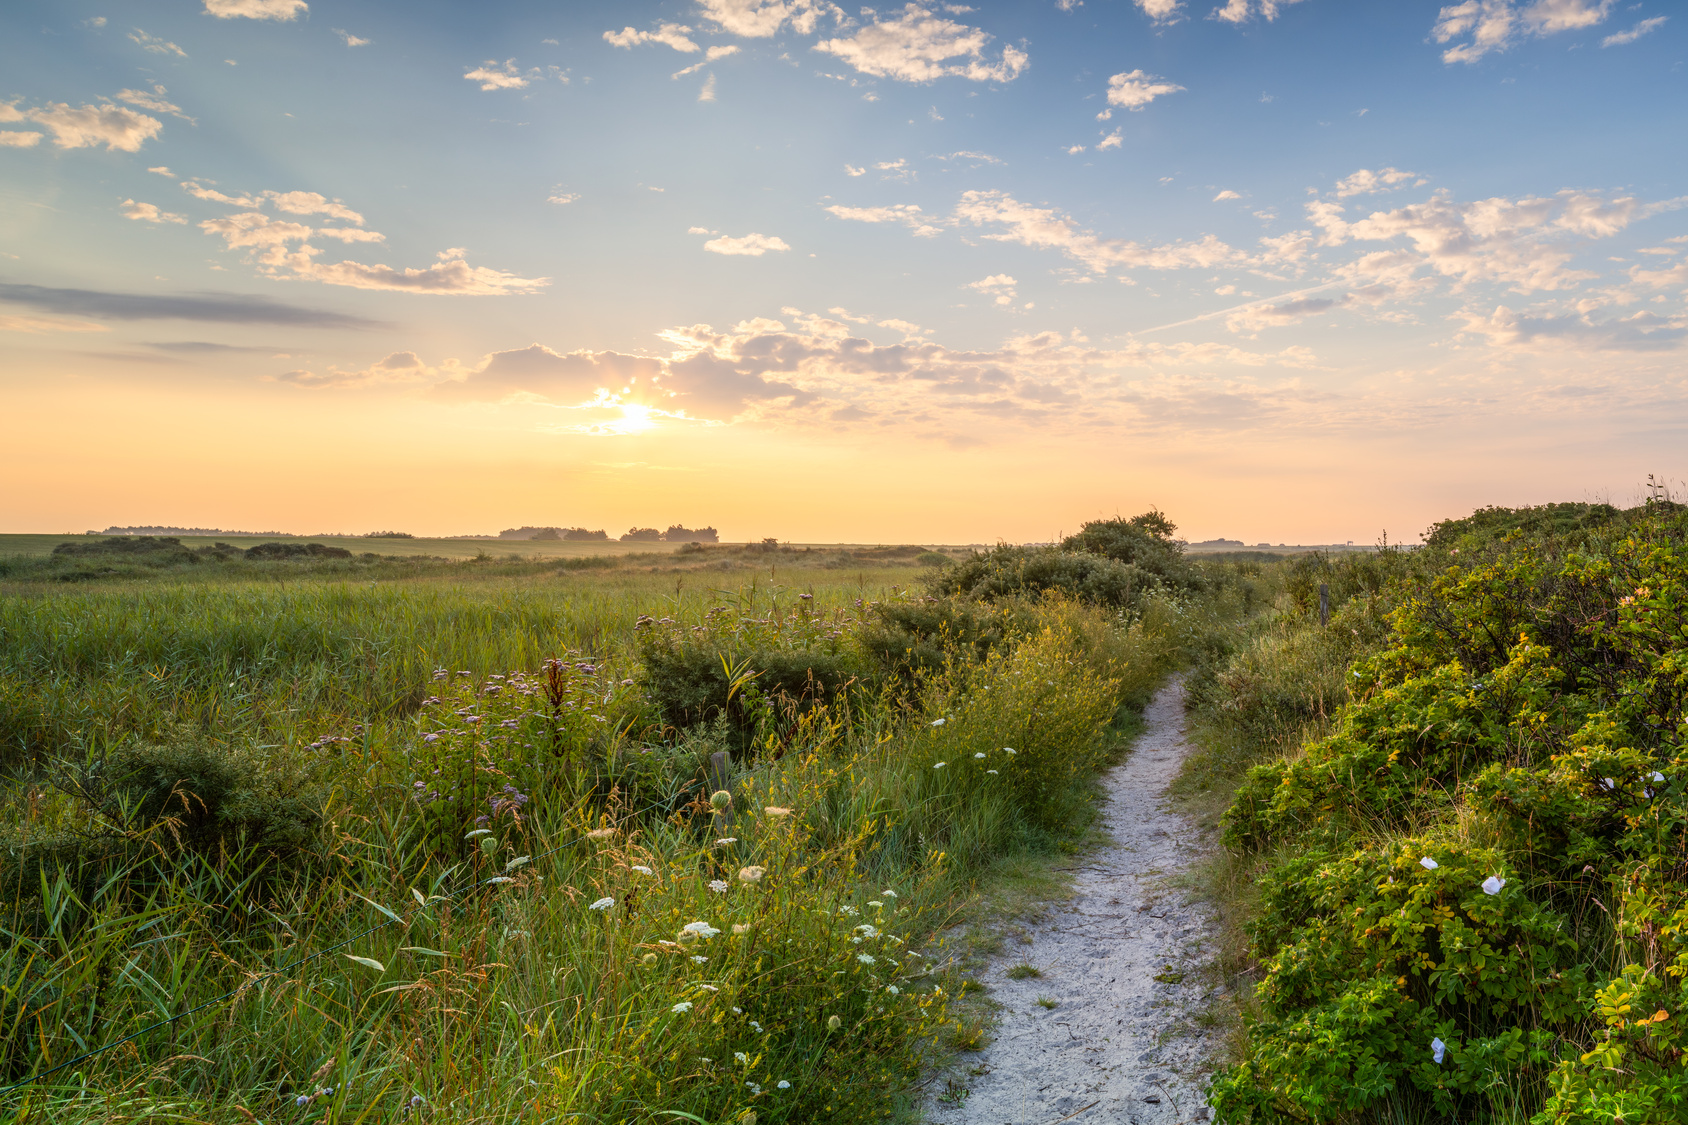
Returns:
point(1524, 721)
point(1007, 571)
point(1145, 542)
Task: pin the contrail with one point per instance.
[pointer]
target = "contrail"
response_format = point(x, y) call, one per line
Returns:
point(1246, 305)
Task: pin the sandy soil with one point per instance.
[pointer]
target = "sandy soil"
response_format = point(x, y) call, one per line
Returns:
point(1121, 961)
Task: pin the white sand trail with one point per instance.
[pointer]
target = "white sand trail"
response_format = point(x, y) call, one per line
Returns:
point(1118, 1040)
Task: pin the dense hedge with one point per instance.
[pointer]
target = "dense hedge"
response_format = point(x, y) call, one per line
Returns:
point(1478, 905)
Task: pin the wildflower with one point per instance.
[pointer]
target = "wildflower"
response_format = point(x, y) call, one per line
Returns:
point(719, 886)
point(720, 799)
point(415, 1100)
point(1608, 784)
point(889, 893)
point(939, 765)
point(1008, 750)
point(866, 930)
point(848, 911)
point(756, 1025)
point(1428, 864)
point(782, 1084)
point(301, 1101)
point(893, 989)
point(875, 902)
point(430, 738)
point(751, 874)
point(600, 834)
point(699, 959)
point(699, 929)
point(741, 1058)
point(1437, 1049)
point(865, 958)
point(682, 1007)
point(725, 840)
point(501, 879)
point(979, 755)
point(602, 904)
point(648, 959)
point(833, 1023)
point(938, 722)
point(1493, 884)
point(1658, 778)
point(641, 869)
point(708, 987)
point(754, 1088)
point(741, 927)
point(775, 810)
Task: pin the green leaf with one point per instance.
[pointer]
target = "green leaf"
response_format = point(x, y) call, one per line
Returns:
point(369, 962)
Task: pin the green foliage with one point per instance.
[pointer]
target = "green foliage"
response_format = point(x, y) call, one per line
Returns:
point(913, 636)
point(1145, 542)
point(1006, 571)
point(1523, 721)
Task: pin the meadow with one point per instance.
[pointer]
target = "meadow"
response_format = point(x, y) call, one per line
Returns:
point(662, 837)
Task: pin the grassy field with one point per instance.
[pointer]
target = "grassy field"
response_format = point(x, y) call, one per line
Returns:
point(306, 840)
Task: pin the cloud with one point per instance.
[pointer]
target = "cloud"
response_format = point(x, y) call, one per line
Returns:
point(94, 22)
point(396, 369)
point(1635, 32)
point(149, 212)
point(707, 94)
point(906, 213)
point(310, 203)
point(975, 157)
point(156, 45)
point(117, 128)
point(1495, 25)
point(998, 285)
point(1641, 331)
point(1238, 11)
point(1252, 318)
point(13, 138)
point(271, 246)
point(161, 170)
point(153, 100)
point(1045, 228)
point(1366, 181)
point(1160, 11)
point(1112, 140)
point(918, 46)
point(853, 171)
point(1518, 243)
point(1135, 89)
point(562, 199)
point(491, 76)
point(760, 19)
point(709, 56)
point(752, 245)
point(256, 9)
point(351, 40)
point(1224, 195)
point(217, 308)
point(669, 34)
point(35, 325)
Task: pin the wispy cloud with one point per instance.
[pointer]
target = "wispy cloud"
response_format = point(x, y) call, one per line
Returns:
point(1486, 26)
point(1635, 32)
point(752, 245)
point(156, 45)
point(220, 308)
point(148, 212)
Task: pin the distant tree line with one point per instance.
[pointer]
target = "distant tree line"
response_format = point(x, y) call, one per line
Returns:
point(675, 534)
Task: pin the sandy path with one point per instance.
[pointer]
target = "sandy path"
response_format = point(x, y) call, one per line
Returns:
point(1118, 1040)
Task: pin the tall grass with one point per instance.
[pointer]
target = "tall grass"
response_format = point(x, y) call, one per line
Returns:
point(524, 954)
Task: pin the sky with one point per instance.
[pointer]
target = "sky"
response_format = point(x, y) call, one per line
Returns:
point(1300, 271)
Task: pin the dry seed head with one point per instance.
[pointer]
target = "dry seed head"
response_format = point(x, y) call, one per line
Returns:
point(720, 800)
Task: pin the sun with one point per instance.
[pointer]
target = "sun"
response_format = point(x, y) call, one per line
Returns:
point(635, 419)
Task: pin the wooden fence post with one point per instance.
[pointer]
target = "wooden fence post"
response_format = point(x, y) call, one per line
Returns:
point(1324, 604)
